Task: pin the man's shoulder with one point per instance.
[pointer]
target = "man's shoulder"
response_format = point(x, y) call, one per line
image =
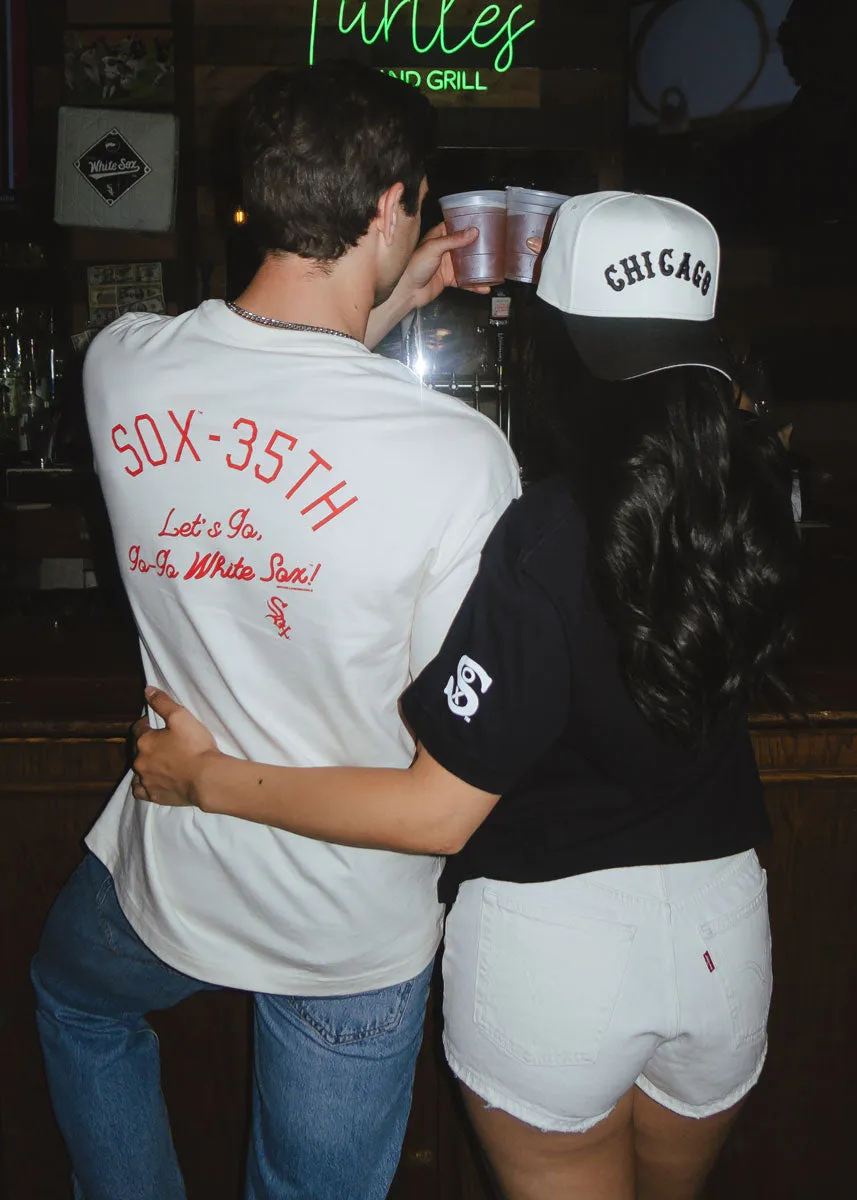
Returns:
point(465, 439)
point(131, 324)
point(467, 426)
point(123, 335)
point(475, 452)
point(421, 395)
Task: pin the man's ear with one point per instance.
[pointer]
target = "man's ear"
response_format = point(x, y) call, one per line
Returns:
point(389, 210)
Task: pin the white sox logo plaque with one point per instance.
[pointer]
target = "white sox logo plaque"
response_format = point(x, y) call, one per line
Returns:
point(111, 166)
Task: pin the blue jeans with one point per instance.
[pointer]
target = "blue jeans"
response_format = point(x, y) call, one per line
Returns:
point(332, 1075)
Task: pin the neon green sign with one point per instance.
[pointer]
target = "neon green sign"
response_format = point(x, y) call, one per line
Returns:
point(443, 81)
point(491, 30)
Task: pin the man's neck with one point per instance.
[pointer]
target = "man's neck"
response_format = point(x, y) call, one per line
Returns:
point(289, 288)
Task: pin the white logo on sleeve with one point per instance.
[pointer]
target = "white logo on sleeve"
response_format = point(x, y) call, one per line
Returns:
point(462, 699)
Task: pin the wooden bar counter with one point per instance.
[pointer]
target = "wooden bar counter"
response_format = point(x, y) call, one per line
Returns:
point(69, 687)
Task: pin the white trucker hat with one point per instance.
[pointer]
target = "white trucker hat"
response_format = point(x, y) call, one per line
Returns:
point(636, 279)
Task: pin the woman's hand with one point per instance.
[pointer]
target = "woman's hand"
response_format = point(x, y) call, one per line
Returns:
point(168, 761)
point(535, 244)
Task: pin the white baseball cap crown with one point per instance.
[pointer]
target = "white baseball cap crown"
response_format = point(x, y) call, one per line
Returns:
point(636, 278)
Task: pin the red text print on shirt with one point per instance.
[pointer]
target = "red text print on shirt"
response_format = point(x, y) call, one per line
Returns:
point(277, 614)
point(149, 442)
point(182, 529)
point(161, 565)
point(237, 523)
point(149, 439)
point(295, 579)
point(240, 527)
point(215, 565)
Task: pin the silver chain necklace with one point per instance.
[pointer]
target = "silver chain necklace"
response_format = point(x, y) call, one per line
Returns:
point(273, 323)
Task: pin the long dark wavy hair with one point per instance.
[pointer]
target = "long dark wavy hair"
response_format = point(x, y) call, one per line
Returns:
point(692, 546)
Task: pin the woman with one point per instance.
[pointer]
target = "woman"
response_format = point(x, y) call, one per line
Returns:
point(583, 756)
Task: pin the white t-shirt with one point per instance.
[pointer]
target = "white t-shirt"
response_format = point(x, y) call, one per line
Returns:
point(297, 521)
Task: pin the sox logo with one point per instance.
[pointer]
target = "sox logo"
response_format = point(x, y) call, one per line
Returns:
point(461, 697)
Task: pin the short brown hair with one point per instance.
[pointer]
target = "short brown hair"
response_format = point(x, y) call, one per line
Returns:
point(321, 145)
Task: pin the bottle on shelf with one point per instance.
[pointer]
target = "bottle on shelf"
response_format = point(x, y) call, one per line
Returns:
point(10, 383)
point(55, 358)
point(30, 377)
point(34, 405)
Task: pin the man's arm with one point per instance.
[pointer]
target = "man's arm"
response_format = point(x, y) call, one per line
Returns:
point(427, 274)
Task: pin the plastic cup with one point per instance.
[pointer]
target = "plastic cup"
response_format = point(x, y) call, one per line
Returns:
point(482, 262)
point(529, 214)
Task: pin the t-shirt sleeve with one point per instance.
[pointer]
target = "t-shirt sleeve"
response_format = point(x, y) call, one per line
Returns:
point(457, 558)
point(495, 698)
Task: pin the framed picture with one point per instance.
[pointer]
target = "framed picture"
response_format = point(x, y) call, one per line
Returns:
point(133, 67)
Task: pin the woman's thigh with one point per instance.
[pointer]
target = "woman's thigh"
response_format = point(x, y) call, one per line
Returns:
point(673, 1154)
point(531, 1165)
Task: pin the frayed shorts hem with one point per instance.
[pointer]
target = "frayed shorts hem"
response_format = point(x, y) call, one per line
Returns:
point(530, 1114)
point(547, 1122)
point(699, 1111)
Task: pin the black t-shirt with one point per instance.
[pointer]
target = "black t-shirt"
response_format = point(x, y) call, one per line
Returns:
point(525, 699)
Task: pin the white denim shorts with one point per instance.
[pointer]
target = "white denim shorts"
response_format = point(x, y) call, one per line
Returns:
point(559, 997)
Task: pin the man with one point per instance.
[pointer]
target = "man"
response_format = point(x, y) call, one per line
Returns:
point(297, 521)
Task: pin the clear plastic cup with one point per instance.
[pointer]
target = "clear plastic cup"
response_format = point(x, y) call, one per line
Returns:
point(482, 262)
point(529, 214)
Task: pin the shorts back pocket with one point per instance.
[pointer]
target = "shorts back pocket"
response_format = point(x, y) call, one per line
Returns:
point(739, 954)
point(546, 982)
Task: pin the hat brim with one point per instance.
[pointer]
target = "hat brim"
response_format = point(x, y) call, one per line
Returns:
point(616, 348)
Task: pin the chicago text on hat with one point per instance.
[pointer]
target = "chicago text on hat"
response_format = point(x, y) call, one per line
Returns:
point(700, 277)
